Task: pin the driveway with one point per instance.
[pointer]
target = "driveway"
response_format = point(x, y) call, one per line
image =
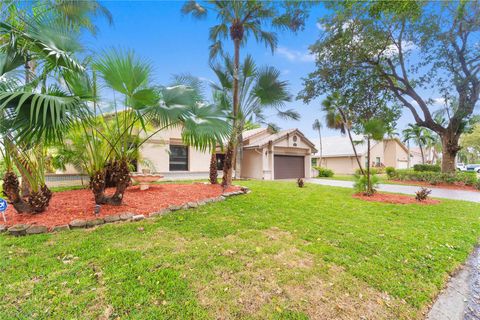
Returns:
point(395, 188)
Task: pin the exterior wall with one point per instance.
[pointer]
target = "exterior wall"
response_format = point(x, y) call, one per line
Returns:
point(156, 150)
point(341, 165)
point(252, 164)
point(376, 150)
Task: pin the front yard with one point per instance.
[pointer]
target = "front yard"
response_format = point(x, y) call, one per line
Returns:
point(280, 252)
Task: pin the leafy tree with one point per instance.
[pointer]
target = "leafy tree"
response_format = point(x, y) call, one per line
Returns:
point(470, 143)
point(411, 47)
point(238, 21)
point(261, 90)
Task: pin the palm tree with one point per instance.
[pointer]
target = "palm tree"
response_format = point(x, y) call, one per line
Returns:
point(238, 20)
point(41, 39)
point(419, 135)
point(260, 90)
point(317, 125)
point(336, 118)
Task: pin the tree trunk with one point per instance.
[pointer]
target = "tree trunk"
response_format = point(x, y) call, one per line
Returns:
point(355, 152)
point(11, 189)
point(213, 169)
point(321, 147)
point(450, 149)
point(228, 167)
point(369, 181)
point(239, 155)
point(97, 184)
point(121, 174)
point(421, 152)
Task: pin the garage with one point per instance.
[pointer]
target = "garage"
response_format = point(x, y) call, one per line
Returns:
point(289, 167)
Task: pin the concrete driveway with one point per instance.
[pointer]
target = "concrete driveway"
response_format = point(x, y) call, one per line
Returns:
point(465, 195)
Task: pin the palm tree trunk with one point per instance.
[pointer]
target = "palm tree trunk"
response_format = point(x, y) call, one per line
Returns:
point(239, 155)
point(321, 147)
point(421, 152)
point(213, 168)
point(231, 150)
point(344, 119)
point(369, 181)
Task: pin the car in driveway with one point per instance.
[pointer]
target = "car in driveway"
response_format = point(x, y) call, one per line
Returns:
point(472, 167)
point(460, 166)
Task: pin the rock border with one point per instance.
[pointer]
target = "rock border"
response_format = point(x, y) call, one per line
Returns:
point(18, 230)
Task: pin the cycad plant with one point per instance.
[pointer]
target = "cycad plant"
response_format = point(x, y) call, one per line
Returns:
point(262, 95)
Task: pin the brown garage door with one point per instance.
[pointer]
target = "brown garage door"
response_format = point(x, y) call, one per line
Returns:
point(289, 167)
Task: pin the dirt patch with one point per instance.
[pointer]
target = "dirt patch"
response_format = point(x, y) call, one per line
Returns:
point(455, 186)
point(395, 199)
point(66, 206)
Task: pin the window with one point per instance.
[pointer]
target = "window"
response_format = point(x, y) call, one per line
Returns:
point(378, 162)
point(178, 158)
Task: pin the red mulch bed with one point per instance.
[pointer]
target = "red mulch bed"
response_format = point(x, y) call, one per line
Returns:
point(394, 199)
point(66, 206)
point(458, 186)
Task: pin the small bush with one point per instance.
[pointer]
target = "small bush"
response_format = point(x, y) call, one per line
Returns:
point(373, 170)
point(434, 178)
point(427, 167)
point(390, 172)
point(324, 172)
point(477, 184)
point(300, 182)
point(422, 194)
point(361, 184)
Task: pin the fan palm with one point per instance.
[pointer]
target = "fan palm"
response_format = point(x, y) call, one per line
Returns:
point(260, 90)
point(39, 37)
point(238, 20)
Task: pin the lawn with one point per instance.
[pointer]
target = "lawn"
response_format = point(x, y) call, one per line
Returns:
point(280, 252)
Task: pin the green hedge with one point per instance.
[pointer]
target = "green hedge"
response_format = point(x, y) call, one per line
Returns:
point(323, 172)
point(466, 178)
point(427, 167)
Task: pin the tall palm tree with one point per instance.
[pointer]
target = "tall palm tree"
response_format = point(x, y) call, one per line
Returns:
point(260, 91)
point(419, 135)
point(336, 118)
point(317, 125)
point(238, 20)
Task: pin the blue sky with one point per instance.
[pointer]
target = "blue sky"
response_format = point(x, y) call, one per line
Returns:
point(176, 44)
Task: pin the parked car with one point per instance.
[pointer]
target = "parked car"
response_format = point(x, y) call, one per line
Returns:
point(473, 167)
point(460, 166)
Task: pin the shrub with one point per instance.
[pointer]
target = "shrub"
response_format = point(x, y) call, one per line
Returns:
point(361, 184)
point(324, 172)
point(300, 182)
point(422, 194)
point(390, 172)
point(427, 167)
point(461, 178)
point(373, 170)
point(477, 184)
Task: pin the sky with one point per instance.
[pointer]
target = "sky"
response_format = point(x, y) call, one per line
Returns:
point(176, 44)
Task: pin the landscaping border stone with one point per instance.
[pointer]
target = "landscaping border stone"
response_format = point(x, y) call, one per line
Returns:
point(25, 229)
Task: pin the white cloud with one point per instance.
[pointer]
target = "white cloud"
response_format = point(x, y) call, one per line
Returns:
point(392, 49)
point(295, 56)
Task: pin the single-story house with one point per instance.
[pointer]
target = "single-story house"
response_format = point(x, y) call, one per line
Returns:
point(338, 155)
point(267, 155)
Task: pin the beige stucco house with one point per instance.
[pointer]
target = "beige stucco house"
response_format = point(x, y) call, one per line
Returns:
point(266, 155)
point(338, 154)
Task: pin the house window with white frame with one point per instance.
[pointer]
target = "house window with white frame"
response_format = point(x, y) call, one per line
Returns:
point(178, 158)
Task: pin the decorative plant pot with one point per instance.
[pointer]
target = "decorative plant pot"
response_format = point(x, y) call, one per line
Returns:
point(144, 180)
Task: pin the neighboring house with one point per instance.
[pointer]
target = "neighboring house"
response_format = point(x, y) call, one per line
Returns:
point(266, 155)
point(338, 154)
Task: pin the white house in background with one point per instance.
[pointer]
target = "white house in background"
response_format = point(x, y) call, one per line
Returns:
point(338, 154)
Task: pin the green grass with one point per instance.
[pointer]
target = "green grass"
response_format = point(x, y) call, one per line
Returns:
point(281, 252)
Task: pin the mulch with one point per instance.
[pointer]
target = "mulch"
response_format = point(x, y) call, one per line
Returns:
point(456, 186)
point(395, 199)
point(66, 206)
